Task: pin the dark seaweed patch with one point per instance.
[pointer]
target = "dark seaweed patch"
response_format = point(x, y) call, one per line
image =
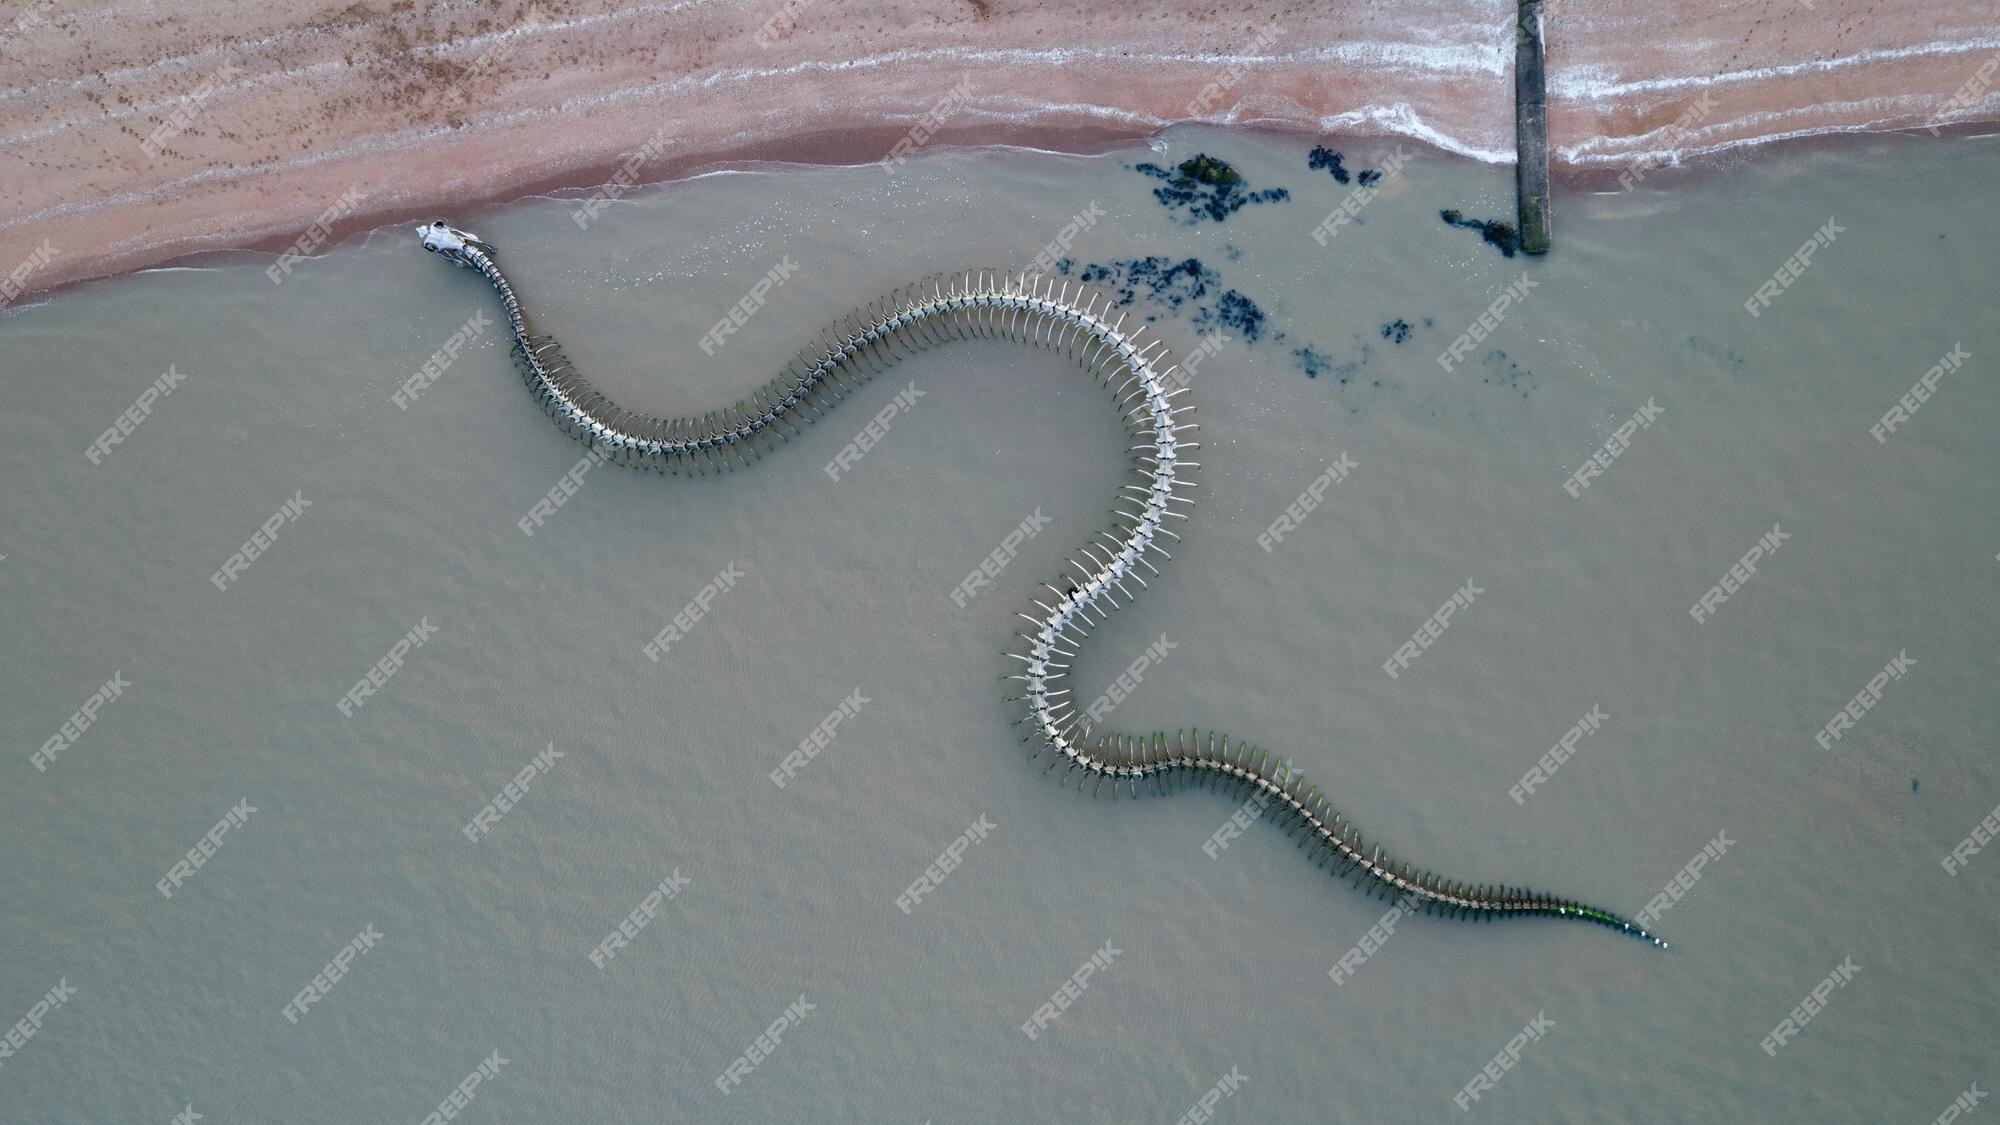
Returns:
point(1237, 313)
point(1501, 235)
point(1206, 187)
point(1166, 282)
point(1719, 356)
point(1316, 363)
point(1505, 372)
point(1324, 157)
point(1331, 160)
point(1185, 287)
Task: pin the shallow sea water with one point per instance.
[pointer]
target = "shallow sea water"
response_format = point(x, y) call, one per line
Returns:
point(1223, 961)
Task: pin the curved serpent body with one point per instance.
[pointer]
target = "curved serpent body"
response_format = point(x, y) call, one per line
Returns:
point(1059, 315)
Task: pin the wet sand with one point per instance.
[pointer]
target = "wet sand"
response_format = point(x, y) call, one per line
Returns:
point(134, 135)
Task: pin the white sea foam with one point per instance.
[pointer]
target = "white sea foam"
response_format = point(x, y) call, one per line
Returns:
point(1592, 82)
point(1401, 120)
point(1460, 53)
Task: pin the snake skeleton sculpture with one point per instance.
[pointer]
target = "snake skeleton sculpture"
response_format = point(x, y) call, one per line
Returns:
point(1060, 315)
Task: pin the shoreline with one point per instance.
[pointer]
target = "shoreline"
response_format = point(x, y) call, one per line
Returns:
point(826, 150)
point(280, 126)
point(819, 151)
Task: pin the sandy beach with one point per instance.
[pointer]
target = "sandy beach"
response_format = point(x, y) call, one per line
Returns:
point(133, 134)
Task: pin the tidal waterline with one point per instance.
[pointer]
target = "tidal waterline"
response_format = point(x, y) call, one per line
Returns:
point(802, 590)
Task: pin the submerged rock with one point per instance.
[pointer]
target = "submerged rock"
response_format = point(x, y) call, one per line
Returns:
point(1209, 170)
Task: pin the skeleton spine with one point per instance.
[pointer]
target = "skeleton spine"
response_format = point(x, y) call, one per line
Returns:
point(1062, 316)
